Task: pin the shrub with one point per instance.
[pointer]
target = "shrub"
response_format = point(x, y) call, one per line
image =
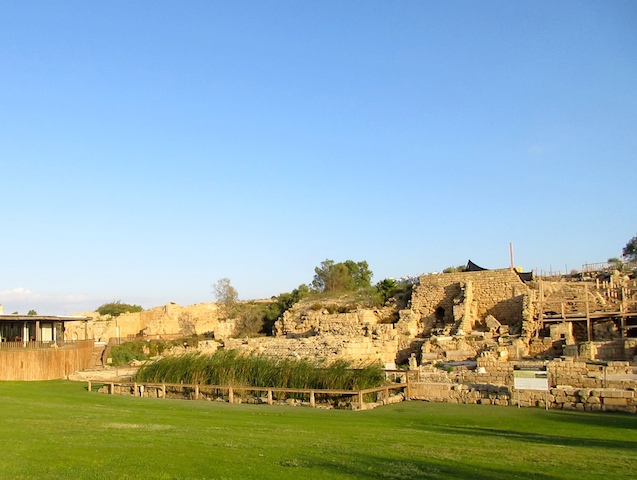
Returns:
point(452, 269)
point(144, 349)
point(116, 308)
point(127, 352)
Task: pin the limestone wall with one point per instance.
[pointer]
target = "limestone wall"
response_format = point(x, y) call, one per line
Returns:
point(574, 385)
point(499, 293)
point(362, 350)
point(564, 398)
point(304, 322)
point(164, 320)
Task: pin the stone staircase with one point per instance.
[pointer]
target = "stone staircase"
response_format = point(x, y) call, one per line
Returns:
point(96, 357)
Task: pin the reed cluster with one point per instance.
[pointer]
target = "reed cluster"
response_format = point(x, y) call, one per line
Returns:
point(229, 367)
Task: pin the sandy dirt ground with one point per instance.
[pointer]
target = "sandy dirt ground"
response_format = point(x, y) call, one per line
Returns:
point(104, 374)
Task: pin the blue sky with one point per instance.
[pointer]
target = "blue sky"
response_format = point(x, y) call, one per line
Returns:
point(151, 148)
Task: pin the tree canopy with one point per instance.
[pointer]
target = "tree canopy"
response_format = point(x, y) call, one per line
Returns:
point(630, 250)
point(225, 293)
point(453, 269)
point(342, 276)
point(386, 288)
point(116, 308)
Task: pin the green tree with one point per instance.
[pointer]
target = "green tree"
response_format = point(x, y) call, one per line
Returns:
point(116, 308)
point(386, 288)
point(258, 318)
point(342, 276)
point(630, 250)
point(459, 268)
point(616, 264)
point(32, 312)
point(360, 273)
point(225, 293)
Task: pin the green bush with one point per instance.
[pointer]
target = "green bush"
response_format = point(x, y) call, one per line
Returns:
point(453, 269)
point(127, 352)
point(117, 308)
point(258, 318)
point(144, 349)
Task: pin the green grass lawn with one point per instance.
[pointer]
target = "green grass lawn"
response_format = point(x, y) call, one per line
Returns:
point(58, 430)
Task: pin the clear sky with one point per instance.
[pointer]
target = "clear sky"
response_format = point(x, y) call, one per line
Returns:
point(149, 148)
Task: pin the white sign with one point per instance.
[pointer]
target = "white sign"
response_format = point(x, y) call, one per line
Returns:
point(530, 380)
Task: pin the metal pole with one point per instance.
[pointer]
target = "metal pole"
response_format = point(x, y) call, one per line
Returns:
point(511, 255)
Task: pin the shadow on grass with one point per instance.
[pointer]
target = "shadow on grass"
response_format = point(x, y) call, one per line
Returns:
point(605, 420)
point(375, 467)
point(542, 439)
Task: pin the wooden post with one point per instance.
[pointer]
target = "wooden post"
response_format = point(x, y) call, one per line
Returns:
point(89, 386)
point(407, 388)
point(312, 399)
point(196, 392)
point(360, 399)
point(622, 307)
point(387, 394)
point(230, 395)
point(541, 309)
point(163, 389)
point(134, 389)
point(112, 389)
point(269, 397)
point(588, 315)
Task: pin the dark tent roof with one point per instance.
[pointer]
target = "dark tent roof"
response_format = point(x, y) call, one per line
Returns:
point(525, 276)
point(472, 267)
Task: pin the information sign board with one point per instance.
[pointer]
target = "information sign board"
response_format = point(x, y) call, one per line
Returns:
point(530, 380)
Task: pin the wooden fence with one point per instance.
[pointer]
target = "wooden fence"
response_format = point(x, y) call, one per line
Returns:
point(197, 390)
point(48, 363)
point(36, 345)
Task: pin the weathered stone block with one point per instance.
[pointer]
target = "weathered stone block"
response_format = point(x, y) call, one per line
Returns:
point(615, 401)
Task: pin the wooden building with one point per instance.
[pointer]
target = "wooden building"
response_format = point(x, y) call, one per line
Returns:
point(34, 328)
point(33, 347)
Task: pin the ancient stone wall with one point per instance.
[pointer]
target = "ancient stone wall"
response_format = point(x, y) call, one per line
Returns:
point(168, 319)
point(574, 385)
point(360, 349)
point(620, 349)
point(499, 293)
point(563, 398)
point(305, 322)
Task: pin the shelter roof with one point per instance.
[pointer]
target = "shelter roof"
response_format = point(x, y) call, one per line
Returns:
point(41, 318)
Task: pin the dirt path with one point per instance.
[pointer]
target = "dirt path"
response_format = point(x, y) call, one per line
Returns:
point(103, 374)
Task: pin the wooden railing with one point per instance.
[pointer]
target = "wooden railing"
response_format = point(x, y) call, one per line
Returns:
point(197, 390)
point(21, 345)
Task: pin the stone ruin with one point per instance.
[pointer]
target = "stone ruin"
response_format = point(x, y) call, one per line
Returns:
point(167, 320)
point(448, 317)
point(463, 332)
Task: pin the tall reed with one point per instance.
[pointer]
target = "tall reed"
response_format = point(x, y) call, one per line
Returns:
point(229, 367)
